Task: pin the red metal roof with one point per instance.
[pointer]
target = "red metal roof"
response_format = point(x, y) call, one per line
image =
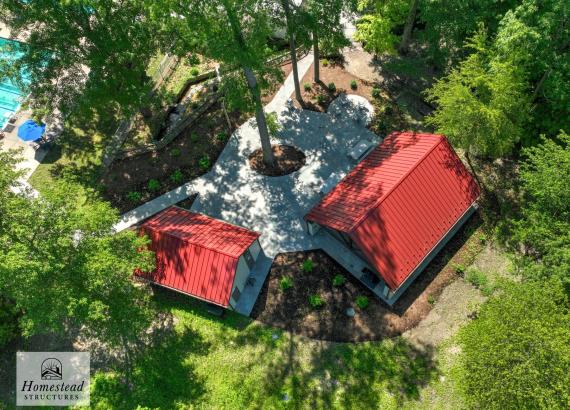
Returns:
point(399, 202)
point(196, 254)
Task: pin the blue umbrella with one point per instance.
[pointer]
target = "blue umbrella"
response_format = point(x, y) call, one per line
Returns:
point(31, 131)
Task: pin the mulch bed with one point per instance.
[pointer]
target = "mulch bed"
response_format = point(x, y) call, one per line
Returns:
point(290, 309)
point(190, 155)
point(288, 159)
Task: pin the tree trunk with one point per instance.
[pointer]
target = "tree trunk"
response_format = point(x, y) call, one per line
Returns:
point(260, 116)
point(407, 35)
point(316, 54)
point(253, 86)
point(293, 49)
point(538, 87)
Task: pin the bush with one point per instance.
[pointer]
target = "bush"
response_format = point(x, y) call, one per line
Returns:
point(338, 280)
point(273, 124)
point(175, 152)
point(194, 137)
point(362, 302)
point(316, 301)
point(307, 87)
point(285, 283)
point(331, 87)
point(376, 92)
point(153, 185)
point(516, 353)
point(134, 196)
point(431, 299)
point(479, 280)
point(194, 71)
point(325, 62)
point(353, 84)
point(321, 99)
point(204, 163)
point(308, 266)
point(222, 136)
point(459, 268)
point(177, 176)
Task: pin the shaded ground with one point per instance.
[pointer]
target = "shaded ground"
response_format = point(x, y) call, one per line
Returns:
point(290, 309)
point(392, 113)
point(127, 181)
point(287, 159)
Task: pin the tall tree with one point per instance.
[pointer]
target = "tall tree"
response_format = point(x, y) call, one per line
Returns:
point(481, 105)
point(88, 53)
point(229, 31)
point(377, 28)
point(407, 34)
point(323, 17)
point(292, 47)
point(65, 268)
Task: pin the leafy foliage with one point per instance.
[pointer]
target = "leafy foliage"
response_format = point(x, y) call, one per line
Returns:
point(308, 266)
point(362, 302)
point(481, 105)
point(544, 227)
point(339, 280)
point(285, 283)
point(65, 268)
point(316, 301)
point(516, 354)
point(377, 28)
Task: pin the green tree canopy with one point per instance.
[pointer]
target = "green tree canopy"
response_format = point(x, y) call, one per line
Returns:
point(377, 29)
point(544, 227)
point(516, 353)
point(482, 105)
point(92, 53)
point(65, 268)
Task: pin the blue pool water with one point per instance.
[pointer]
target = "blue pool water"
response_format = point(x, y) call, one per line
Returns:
point(11, 96)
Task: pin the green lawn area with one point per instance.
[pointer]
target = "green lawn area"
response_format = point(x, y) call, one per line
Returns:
point(77, 154)
point(236, 363)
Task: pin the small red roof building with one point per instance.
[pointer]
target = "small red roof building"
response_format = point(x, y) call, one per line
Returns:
point(199, 255)
point(399, 203)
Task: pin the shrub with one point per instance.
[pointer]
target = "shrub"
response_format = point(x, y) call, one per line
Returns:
point(321, 99)
point(338, 280)
point(376, 93)
point(431, 299)
point(479, 280)
point(204, 163)
point(308, 266)
point(134, 196)
point(459, 268)
point(194, 71)
point(222, 136)
point(353, 84)
point(362, 302)
point(285, 283)
point(273, 124)
point(307, 87)
point(177, 176)
point(194, 137)
point(316, 301)
point(331, 87)
point(175, 152)
point(325, 62)
point(153, 185)
point(516, 353)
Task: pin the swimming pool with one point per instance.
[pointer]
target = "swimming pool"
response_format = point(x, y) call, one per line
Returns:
point(11, 96)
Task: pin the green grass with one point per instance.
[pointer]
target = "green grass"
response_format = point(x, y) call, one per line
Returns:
point(76, 155)
point(236, 363)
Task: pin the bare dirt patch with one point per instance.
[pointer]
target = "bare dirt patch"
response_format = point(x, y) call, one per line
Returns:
point(290, 309)
point(288, 159)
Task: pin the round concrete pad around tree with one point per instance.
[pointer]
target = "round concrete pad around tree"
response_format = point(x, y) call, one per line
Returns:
point(352, 108)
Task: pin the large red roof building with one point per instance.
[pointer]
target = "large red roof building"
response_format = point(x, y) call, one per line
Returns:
point(201, 256)
point(399, 206)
